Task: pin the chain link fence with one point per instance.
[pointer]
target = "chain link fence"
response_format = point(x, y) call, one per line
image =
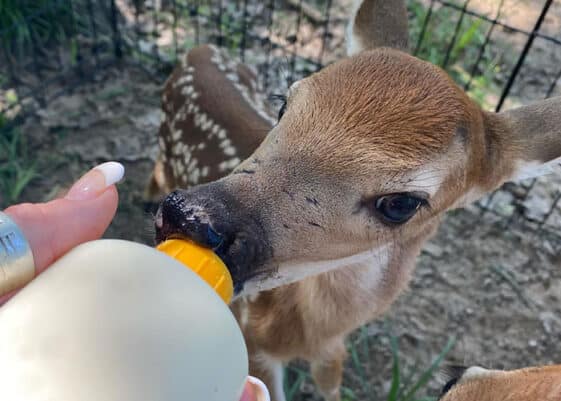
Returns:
point(503, 53)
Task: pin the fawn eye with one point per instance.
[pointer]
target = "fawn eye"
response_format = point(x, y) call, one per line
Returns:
point(398, 208)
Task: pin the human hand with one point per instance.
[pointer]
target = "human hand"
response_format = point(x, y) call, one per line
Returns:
point(83, 214)
point(255, 390)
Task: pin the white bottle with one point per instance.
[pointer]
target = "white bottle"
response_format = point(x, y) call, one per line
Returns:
point(118, 321)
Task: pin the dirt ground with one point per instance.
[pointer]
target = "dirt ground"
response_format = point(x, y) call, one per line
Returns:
point(495, 287)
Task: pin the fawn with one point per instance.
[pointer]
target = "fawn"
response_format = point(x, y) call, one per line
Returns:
point(324, 211)
point(529, 384)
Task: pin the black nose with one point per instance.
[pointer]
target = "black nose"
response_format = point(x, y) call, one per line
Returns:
point(212, 216)
point(180, 215)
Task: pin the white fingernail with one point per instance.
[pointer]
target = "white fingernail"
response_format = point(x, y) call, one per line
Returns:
point(112, 171)
point(263, 390)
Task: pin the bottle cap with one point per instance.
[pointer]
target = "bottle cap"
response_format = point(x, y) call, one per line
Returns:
point(204, 262)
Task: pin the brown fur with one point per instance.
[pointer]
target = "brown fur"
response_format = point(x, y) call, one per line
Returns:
point(419, 126)
point(216, 97)
point(380, 23)
point(363, 127)
point(530, 384)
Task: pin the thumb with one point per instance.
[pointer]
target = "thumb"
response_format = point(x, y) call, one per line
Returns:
point(84, 214)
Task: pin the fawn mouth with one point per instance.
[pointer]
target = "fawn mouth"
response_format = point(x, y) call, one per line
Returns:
point(209, 215)
point(243, 257)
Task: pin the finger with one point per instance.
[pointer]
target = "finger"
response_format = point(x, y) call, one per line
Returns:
point(84, 214)
point(255, 390)
point(248, 393)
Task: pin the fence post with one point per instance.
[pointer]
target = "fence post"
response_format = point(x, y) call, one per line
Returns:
point(117, 49)
point(523, 55)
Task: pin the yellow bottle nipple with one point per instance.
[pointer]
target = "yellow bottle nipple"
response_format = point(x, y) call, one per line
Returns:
point(204, 262)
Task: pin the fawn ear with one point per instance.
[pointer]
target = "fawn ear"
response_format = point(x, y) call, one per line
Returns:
point(377, 23)
point(526, 141)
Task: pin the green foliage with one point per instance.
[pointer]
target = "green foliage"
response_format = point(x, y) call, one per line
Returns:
point(470, 38)
point(17, 169)
point(441, 29)
point(28, 25)
point(404, 386)
point(406, 391)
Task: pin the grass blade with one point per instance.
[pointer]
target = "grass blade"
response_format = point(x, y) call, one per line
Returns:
point(425, 377)
point(396, 379)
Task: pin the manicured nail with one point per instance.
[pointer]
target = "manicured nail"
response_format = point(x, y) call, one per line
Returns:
point(95, 182)
point(260, 389)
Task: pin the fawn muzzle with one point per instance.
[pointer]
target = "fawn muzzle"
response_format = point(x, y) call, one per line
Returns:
point(210, 216)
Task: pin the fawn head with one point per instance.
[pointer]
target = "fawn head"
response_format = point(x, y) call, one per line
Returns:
point(367, 155)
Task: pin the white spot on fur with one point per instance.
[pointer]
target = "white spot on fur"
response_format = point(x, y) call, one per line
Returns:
point(216, 58)
point(257, 102)
point(176, 135)
point(233, 77)
point(200, 119)
point(187, 90)
point(181, 168)
point(230, 151)
point(476, 372)
point(184, 79)
point(228, 165)
point(194, 176)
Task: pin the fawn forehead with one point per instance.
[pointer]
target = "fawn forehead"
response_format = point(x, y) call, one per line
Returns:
point(380, 105)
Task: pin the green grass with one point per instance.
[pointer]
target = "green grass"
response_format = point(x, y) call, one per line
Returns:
point(469, 40)
point(17, 168)
point(29, 25)
point(405, 385)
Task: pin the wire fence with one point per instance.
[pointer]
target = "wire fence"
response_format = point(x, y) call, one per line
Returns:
point(56, 45)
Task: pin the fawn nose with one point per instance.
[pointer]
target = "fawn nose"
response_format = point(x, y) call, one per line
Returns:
point(182, 215)
point(211, 216)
